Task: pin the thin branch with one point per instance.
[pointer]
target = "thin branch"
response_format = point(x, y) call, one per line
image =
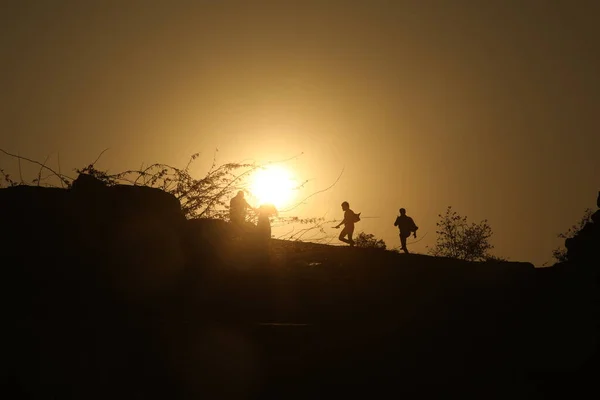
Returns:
point(62, 183)
point(315, 193)
point(20, 171)
point(39, 178)
point(100, 155)
point(228, 186)
point(35, 162)
point(421, 238)
point(287, 233)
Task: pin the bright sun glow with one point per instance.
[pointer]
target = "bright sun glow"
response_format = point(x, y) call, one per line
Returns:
point(273, 185)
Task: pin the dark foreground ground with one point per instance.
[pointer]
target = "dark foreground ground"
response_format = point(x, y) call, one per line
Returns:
point(109, 292)
point(304, 321)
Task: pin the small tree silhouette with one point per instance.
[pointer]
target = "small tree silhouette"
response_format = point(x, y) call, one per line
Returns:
point(461, 240)
point(368, 240)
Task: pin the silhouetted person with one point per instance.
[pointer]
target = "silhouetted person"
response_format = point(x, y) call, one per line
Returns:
point(406, 225)
point(263, 226)
point(349, 219)
point(237, 209)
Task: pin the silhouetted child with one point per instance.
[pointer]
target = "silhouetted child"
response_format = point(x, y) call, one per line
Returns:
point(349, 219)
point(406, 225)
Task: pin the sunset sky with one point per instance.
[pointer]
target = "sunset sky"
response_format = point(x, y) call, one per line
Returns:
point(491, 107)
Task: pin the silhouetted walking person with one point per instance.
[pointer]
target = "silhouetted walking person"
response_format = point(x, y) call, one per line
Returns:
point(349, 219)
point(237, 209)
point(406, 225)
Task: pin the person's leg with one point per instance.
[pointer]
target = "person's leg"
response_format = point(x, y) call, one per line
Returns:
point(403, 243)
point(350, 232)
point(343, 233)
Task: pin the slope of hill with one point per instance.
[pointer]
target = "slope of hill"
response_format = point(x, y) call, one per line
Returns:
point(110, 292)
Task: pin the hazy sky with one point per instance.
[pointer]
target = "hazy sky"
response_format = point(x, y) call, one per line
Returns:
point(489, 106)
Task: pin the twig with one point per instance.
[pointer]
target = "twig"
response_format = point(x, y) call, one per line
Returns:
point(62, 183)
point(100, 155)
point(284, 160)
point(287, 233)
point(421, 238)
point(315, 193)
point(228, 186)
point(214, 161)
point(20, 172)
point(35, 162)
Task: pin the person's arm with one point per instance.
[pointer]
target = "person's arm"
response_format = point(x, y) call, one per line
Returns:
point(396, 222)
point(341, 223)
point(249, 206)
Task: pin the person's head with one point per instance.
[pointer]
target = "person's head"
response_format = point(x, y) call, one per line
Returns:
point(402, 211)
point(345, 206)
point(240, 193)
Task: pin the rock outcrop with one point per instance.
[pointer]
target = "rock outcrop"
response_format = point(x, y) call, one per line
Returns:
point(83, 270)
point(131, 235)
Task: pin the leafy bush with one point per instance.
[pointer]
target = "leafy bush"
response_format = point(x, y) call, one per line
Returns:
point(460, 240)
point(368, 240)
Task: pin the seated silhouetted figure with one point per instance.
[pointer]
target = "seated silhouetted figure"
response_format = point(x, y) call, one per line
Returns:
point(237, 209)
point(349, 219)
point(406, 226)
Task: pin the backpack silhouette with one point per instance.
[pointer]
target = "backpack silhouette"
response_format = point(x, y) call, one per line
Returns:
point(357, 217)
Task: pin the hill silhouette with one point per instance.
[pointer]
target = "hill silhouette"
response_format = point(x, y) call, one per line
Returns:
point(110, 291)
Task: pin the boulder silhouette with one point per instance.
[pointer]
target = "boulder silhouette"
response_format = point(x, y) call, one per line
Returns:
point(78, 262)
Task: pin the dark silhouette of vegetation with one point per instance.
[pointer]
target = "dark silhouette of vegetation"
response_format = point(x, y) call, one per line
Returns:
point(460, 240)
point(560, 253)
point(369, 241)
point(205, 197)
point(6, 180)
point(582, 242)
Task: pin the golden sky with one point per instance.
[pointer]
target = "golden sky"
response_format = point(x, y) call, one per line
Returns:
point(491, 107)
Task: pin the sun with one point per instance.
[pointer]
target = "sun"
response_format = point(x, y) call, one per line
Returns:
point(273, 185)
